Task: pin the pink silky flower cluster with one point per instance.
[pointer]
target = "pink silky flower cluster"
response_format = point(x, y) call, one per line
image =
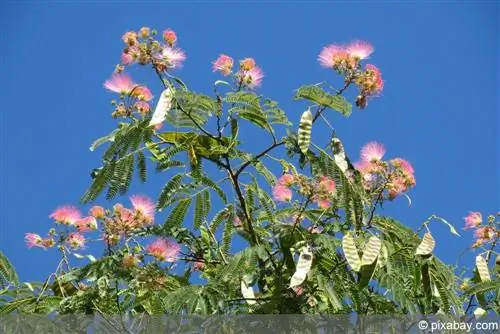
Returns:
point(35, 240)
point(249, 74)
point(117, 224)
point(140, 95)
point(323, 190)
point(163, 250)
point(393, 177)
point(130, 260)
point(142, 48)
point(346, 60)
point(484, 232)
point(122, 221)
point(320, 190)
point(121, 83)
point(70, 217)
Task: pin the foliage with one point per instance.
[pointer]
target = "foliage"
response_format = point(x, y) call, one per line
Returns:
point(327, 252)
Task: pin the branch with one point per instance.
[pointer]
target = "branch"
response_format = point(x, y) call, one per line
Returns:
point(257, 157)
point(181, 109)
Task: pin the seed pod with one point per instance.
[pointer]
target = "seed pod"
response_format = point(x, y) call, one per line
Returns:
point(303, 267)
point(162, 108)
point(304, 134)
point(339, 154)
point(427, 245)
point(351, 252)
point(371, 251)
point(482, 269)
point(247, 292)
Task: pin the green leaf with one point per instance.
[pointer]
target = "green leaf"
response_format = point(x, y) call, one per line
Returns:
point(202, 204)
point(227, 235)
point(330, 292)
point(483, 287)
point(242, 97)
point(177, 216)
point(141, 166)
point(102, 140)
point(365, 274)
point(168, 191)
point(452, 228)
point(218, 219)
point(256, 117)
point(319, 96)
point(7, 271)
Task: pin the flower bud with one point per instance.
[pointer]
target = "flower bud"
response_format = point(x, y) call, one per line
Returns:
point(170, 37)
point(144, 32)
point(361, 102)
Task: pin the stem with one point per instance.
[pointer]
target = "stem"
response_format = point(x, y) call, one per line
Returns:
point(216, 243)
point(181, 109)
point(258, 156)
point(339, 92)
point(234, 180)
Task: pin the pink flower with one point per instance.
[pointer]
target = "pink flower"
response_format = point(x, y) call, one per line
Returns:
point(86, 224)
point(331, 55)
point(97, 212)
point(120, 83)
point(473, 219)
point(169, 36)
point(111, 239)
point(484, 233)
point(198, 265)
point(223, 64)
point(48, 242)
point(127, 59)
point(252, 78)
point(67, 215)
point(324, 203)
point(173, 57)
point(142, 93)
point(366, 167)
point(237, 222)
point(158, 126)
point(374, 79)
point(130, 261)
point(397, 187)
point(33, 240)
point(286, 180)
point(403, 164)
point(298, 290)
point(315, 229)
point(125, 216)
point(359, 49)
point(372, 152)
point(143, 205)
point(129, 37)
point(142, 107)
point(282, 194)
point(247, 64)
point(326, 184)
point(164, 250)
point(144, 32)
point(75, 240)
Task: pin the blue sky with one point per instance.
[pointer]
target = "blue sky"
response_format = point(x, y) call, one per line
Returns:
point(439, 108)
